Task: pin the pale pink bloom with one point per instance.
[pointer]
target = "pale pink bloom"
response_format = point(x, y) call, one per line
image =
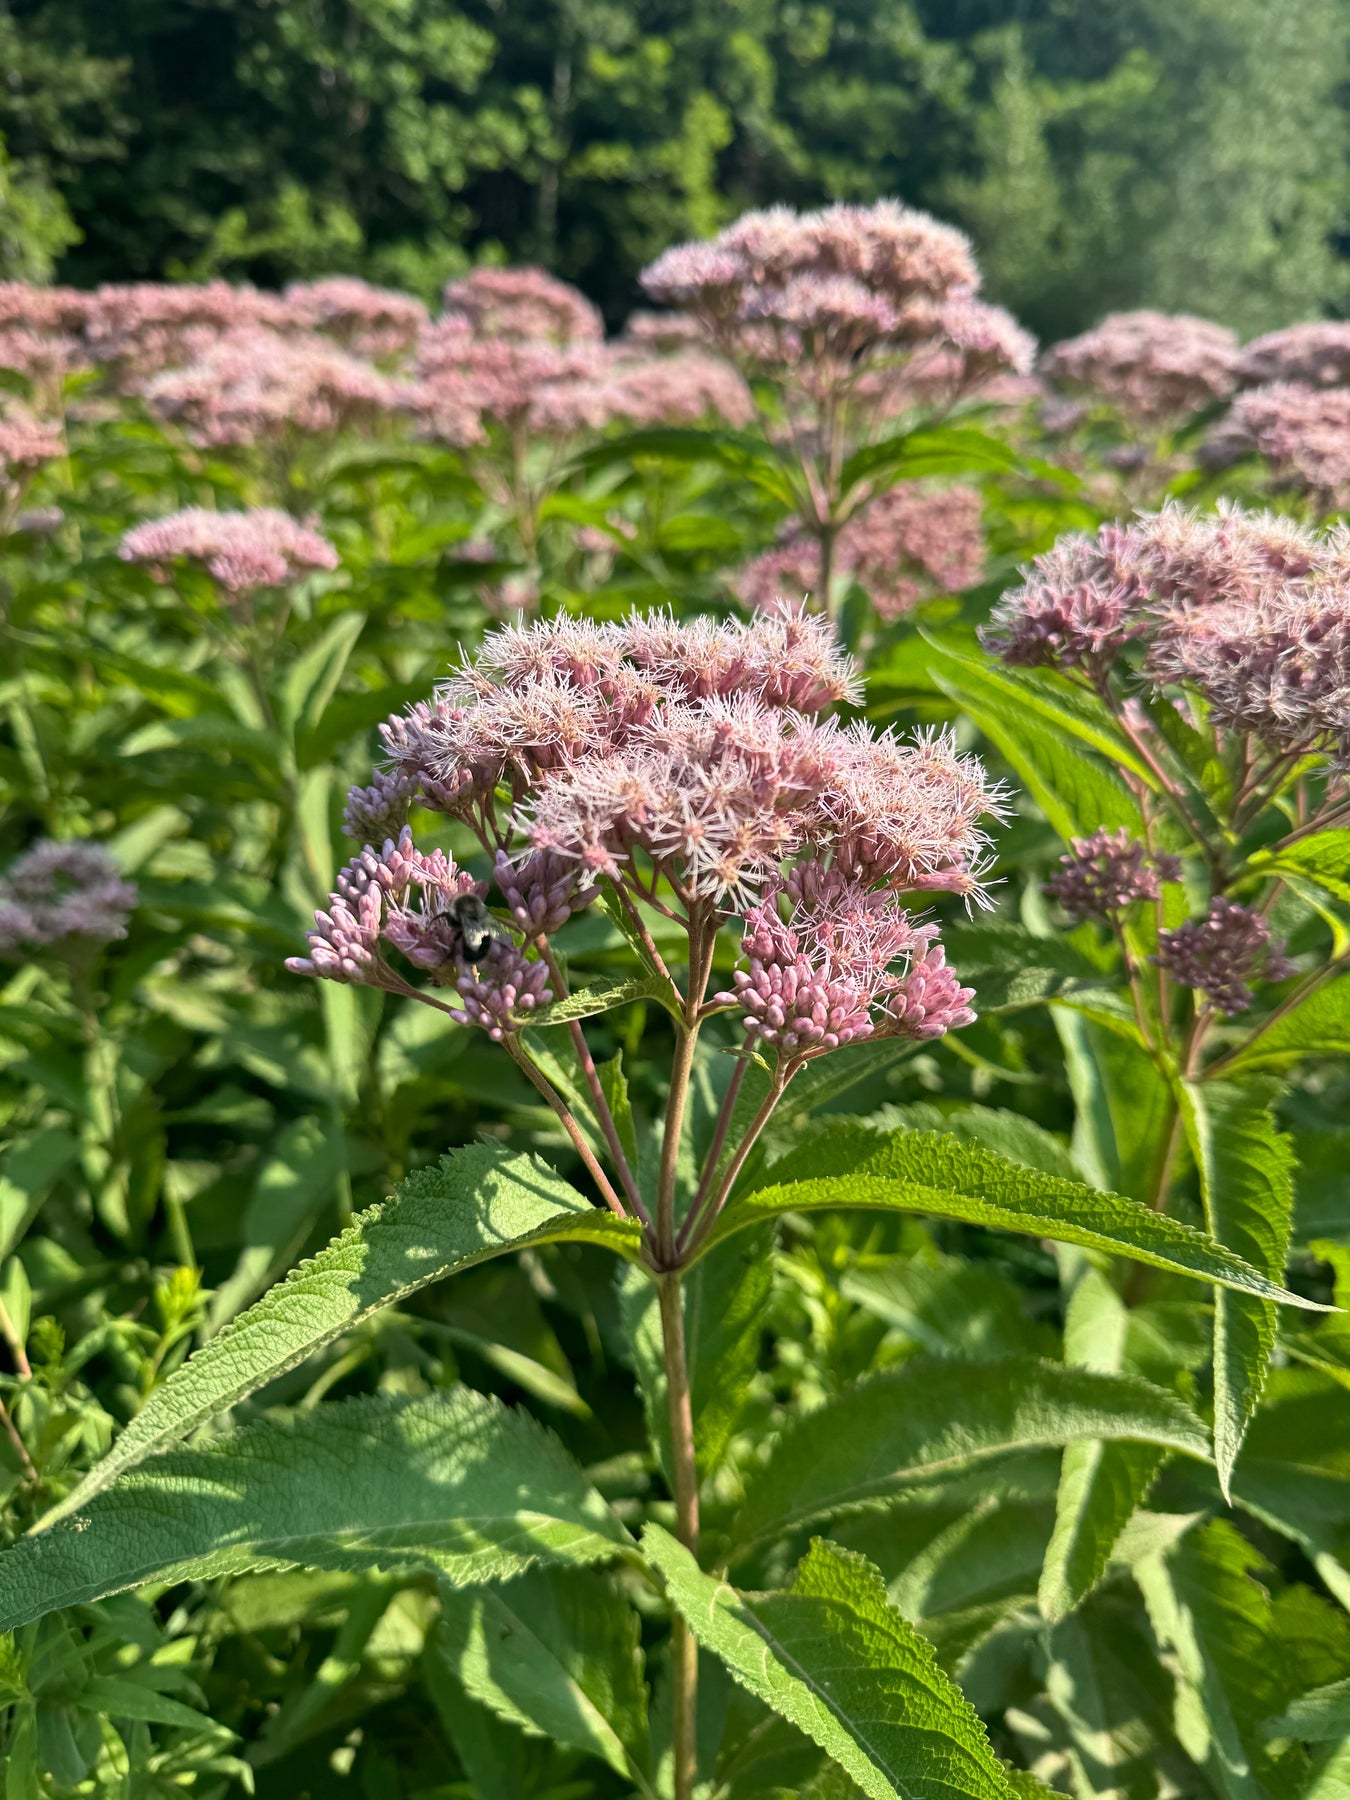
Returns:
point(526, 303)
point(253, 385)
point(787, 575)
point(1079, 604)
point(1222, 954)
point(1155, 369)
point(44, 309)
point(681, 389)
point(25, 444)
point(662, 332)
point(372, 322)
point(984, 340)
point(463, 383)
point(139, 328)
point(928, 1000)
point(63, 896)
point(1316, 353)
point(1108, 871)
point(1304, 433)
point(241, 551)
point(43, 358)
point(1191, 559)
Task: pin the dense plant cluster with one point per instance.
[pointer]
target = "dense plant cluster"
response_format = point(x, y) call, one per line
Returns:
point(757, 1208)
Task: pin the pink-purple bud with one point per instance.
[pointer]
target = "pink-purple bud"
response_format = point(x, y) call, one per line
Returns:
point(1222, 954)
point(1107, 872)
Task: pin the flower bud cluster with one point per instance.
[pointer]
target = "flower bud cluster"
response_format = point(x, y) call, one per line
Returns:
point(241, 551)
point(1222, 954)
point(66, 897)
point(1107, 872)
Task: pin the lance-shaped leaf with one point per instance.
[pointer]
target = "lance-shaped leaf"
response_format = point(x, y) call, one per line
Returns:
point(1317, 1026)
point(1100, 1483)
point(1320, 1716)
point(851, 1164)
point(557, 1654)
point(930, 1419)
point(477, 1203)
point(835, 1658)
point(455, 1482)
point(1247, 1183)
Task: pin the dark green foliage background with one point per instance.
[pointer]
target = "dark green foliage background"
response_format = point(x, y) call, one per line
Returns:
point(1104, 153)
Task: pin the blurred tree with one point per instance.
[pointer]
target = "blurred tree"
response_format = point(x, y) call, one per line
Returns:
point(1103, 152)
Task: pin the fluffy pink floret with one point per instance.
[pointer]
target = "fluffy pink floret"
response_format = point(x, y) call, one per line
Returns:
point(1154, 368)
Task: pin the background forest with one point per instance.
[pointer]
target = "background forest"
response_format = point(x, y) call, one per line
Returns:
point(1103, 153)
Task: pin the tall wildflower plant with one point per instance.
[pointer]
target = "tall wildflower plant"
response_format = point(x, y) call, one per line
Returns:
point(853, 326)
point(698, 794)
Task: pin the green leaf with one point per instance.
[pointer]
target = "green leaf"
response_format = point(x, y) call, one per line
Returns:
point(832, 1656)
point(930, 1419)
point(1318, 1026)
point(133, 1700)
point(1323, 856)
point(556, 1653)
point(1294, 1474)
point(1011, 968)
point(1316, 1717)
point(1247, 1185)
point(600, 997)
point(455, 1482)
point(312, 679)
point(1100, 1483)
point(477, 1203)
point(850, 1164)
point(29, 1169)
point(1215, 1620)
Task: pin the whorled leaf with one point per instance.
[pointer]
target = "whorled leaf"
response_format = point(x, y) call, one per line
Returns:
point(478, 1202)
point(849, 1164)
point(454, 1482)
point(835, 1658)
point(930, 1419)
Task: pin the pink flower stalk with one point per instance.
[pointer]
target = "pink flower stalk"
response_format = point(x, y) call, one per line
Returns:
point(254, 385)
point(1304, 433)
point(139, 328)
point(1155, 369)
point(371, 322)
point(241, 551)
point(684, 760)
point(911, 542)
point(527, 304)
point(1079, 605)
point(67, 897)
point(1222, 954)
point(1316, 354)
point(1107, 872)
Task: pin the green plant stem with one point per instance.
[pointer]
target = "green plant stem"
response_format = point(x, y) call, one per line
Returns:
point(21, 1449)
point(686, 1036)
point(699, 1224)
point(14, 1342)
point(684, 1478)
point(520, 1056)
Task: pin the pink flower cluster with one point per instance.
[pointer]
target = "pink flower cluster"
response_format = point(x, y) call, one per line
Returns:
point(825, 296)
point(372, 322)
point(826, 973)
point(909, 543)
point(1107, 872)
point(1222, 954)
point(463, 383)
point(1302, 431)
point(252, 385)
point(68, 897)
point(1315, 354)
point(527, 304)
point(241, 551)
point(687, 764)
point(1079, 604)
point(1154, 369)
point(25, 444)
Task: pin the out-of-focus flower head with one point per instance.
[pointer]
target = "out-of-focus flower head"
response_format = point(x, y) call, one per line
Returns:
point(1107, 872)
point(663, 332)
point(823, 298)
point(1190, 559)
point(909, 543)
point(135, 329)
point(1316, 354)
point(253, 385)
point(372, 322)
point(1302, 431)
point(25, 445)
point(526, 303)
point(67, 897)
point(463, 383)
point(1222, 954)
point(241, 551)
point(1155, 369)
point(680, 389)
point(688, 755)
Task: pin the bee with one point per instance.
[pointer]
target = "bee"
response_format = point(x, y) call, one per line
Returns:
point(476, 927)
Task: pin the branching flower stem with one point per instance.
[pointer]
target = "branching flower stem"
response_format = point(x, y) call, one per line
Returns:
point(684, 1477)
point(520, 1056)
